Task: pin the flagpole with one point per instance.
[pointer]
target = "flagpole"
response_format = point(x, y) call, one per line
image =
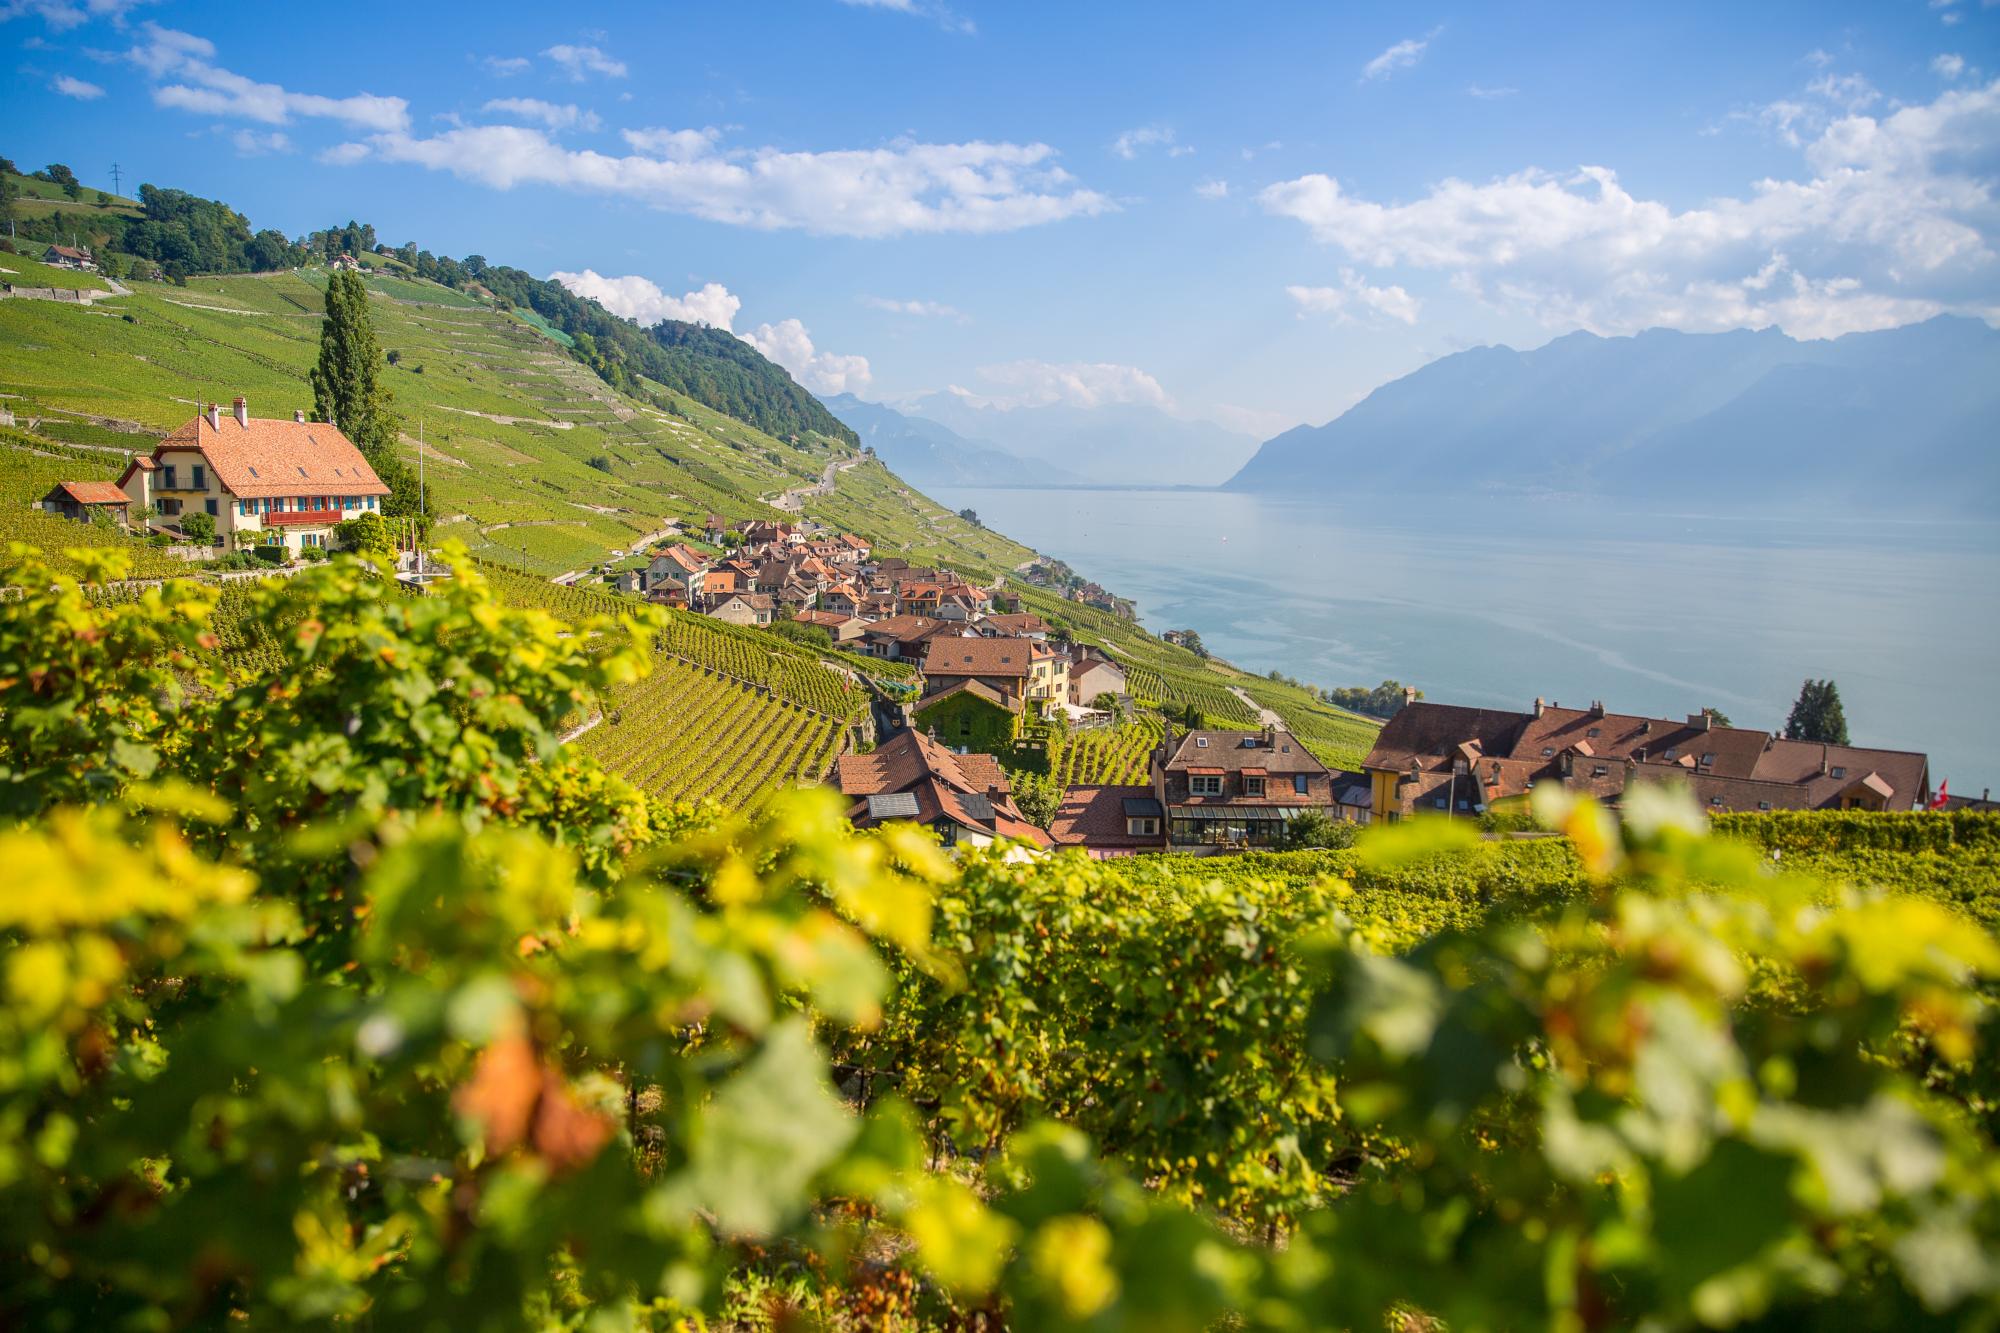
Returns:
point(420, 499)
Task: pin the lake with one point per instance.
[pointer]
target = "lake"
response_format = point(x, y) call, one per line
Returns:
point(1493, 602)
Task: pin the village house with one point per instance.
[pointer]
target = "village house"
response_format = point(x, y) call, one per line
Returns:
point(84, 500)
point(262, 481)
point(345, 263)
point(1444, 759)
point(745, 608)
point(842, 599)
point(1092, 674)
point(1105, 822)
point(70, 256)
point(1025, 668)
point(965, 798)
point(678, 565)
point(900, 638)
point(1014, 625)
point(1226, 790)
point(765, 533)
point(843, 629)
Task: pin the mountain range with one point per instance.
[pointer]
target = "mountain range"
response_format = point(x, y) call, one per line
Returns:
point(1900, 418)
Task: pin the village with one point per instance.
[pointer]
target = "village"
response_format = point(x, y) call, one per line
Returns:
point(993, 681)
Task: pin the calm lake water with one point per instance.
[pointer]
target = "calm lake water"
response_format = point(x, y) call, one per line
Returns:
point(1494, 602)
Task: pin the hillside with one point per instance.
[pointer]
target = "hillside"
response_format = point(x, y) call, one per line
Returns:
point(1899, 418)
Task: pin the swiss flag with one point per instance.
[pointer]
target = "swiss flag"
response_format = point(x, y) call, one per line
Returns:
point(1943, 795)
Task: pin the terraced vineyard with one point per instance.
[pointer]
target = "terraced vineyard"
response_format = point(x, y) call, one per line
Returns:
point(1337, 738)
point(1110, 756)
point(29, 466)
point(1177, 690)
point(688, 734)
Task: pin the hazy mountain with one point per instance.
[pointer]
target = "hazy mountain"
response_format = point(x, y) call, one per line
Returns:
point(930, 453)
point(1901, 417)
point(1119, 442)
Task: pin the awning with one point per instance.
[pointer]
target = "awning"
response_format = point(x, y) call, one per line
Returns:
point(1209, 772)
point(1254, 773)
point(1240, 813)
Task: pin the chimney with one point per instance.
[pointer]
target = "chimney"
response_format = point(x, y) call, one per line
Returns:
point(1597, 708)
point(214, 417)
point(1409, 695)
point(1701, 721)
point(242, 410)
point(298, 416)
point(1540, 704)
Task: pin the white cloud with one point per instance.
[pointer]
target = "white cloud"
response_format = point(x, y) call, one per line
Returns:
point(641, 299)
point(1489, 94)
point(1128, 144)
point(1392, 302)
point(343, 155)
point(894, 190)
point(566, 116)
point(211, 90)
point(1949, 66)
point(788, 344)
point(580, 62)
point(673, 145)
point(944, 17)
point(77, 88)
point(1213, 189)
point(65, 14)
point(1403, 55)
point(253, 143)
point(507, 66)
point(922, 309)
point(1893, 218)
point(1074, 383)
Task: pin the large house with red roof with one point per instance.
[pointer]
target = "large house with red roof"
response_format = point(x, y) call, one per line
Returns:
point(261, 480)
point(1445, 759)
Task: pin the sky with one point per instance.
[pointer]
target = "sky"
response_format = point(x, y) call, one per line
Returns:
point(1251, 214)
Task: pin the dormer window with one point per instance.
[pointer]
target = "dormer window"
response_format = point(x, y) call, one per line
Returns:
point(1839, 772)
point(1708, 761)
point(1671, 753)
point(1599, 770)
point(1201, 742)
point(1205, 784)
point(1253, 786)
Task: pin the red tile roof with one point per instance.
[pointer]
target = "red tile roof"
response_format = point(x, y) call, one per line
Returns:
point(94, 492)
point(265, 458)
point(978, 657)
point(1094, 817)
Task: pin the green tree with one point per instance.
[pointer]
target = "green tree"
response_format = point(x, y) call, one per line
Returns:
point(811, 636)
point(1038, 796)
point(1817, 715)
point(347, 390)
point(1718, 717)
point(59, 174)
point(199, 527)
point(366, 535)
point(1317, 829)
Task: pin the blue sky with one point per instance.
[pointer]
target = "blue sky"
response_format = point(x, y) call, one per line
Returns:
point(1250, 213)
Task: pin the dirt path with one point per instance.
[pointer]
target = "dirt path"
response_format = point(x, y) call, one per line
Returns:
point(1264, 715)
point(509, 421)
point(791, 501)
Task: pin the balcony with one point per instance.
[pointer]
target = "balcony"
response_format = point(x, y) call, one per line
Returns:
point(305, 518)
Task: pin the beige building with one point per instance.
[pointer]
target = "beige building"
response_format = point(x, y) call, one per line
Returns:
point(260, 480)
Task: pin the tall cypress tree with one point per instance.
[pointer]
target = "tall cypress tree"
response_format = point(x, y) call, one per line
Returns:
point(347, 390)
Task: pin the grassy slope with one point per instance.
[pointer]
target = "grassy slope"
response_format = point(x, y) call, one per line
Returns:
point(523, 492)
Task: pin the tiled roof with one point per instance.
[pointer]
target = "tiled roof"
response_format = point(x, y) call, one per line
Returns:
point(682, 558)
point(1600, 752)
point(978, 657)
point(970, 789)
point(977, 689)
point(1095, 817)
point(94, 492)
point(904, 629)
point(1234, 751)
point(266, 458)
